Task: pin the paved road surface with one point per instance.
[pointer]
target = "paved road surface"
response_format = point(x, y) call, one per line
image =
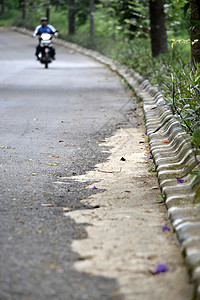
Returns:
point(51, 121)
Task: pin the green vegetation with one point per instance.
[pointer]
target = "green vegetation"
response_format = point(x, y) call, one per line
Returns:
point(170, 72)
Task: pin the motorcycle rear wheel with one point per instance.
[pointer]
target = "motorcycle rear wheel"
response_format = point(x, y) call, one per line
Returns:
point(46, 60)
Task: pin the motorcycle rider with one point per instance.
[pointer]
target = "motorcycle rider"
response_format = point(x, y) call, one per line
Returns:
point(44, 28)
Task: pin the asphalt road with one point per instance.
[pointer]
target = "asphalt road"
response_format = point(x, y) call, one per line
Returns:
point(51, 123)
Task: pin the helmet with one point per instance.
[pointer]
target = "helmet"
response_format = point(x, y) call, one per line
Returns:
point(44, 19)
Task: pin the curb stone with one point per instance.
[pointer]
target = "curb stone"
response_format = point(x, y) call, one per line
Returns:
point(173, 155)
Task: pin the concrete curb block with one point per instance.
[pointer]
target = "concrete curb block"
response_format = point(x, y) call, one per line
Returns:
point(173, 155)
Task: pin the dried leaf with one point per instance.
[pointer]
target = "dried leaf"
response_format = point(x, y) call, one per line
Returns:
point(5, 147)
point(66, 209)
point(123, 159)
point(47, 205)
point(40, 231)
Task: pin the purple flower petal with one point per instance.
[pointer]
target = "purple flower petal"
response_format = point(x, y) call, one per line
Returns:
point(179, 180)
point(95, 188)
point(161, 268)
point(150, 157)
point(165, 228)
point(145, 132)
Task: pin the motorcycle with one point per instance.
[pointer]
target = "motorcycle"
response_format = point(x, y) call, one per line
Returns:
point(46, 49)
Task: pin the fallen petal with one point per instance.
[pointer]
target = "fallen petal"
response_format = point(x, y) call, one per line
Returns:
point(179, 180)
point(165, 228)
point(161, 268)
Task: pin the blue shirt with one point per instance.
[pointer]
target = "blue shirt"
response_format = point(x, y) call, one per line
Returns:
point(48, 29)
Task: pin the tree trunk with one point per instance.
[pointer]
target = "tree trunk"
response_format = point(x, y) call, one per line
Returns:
point(3, 7)
point(71, 17)
point(91, 18)
point(24, 9)
point(21, 3)
point(195, 32)
point(48, 14)
point(158, 27)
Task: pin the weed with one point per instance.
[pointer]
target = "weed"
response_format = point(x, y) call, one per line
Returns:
point(153, 168)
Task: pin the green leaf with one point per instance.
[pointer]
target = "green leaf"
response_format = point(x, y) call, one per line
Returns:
point(186, 7)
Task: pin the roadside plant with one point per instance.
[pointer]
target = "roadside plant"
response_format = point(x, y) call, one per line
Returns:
point(185, 99)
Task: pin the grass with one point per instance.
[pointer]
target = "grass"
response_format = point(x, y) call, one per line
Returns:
point(8, 17)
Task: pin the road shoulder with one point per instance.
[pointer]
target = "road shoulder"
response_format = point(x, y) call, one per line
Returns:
point(125, 236)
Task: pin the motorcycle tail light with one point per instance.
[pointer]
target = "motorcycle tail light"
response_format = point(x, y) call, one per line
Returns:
point(46, 50)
